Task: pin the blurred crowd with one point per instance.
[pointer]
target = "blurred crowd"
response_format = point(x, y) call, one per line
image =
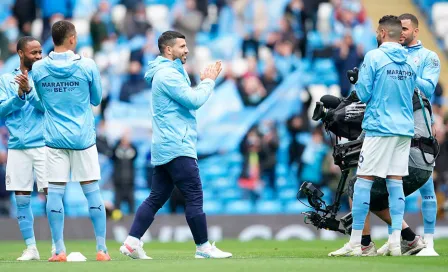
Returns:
point(121, 36)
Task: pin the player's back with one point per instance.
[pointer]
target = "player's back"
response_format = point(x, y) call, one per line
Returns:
point(67, 85)
point(389, 111)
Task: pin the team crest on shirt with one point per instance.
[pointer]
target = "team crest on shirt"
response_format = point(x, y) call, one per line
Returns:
point(435, 62)
point(8, 180)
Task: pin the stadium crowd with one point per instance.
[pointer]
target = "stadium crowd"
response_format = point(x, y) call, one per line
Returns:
point(259, 55)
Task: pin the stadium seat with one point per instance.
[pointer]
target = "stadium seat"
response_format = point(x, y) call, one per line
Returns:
point(222, 183)
point(441, 28)
point(267, 194)
point(118, 14)
point(239, 67)
point(238, 207)
point(212, 207)
point(323, 17)
point(158, 16)
point(296, 207)
point(334, 90)
point(140, 195)
point(208, 193)
point(82, 27)
point(86, 51)
point(287, 194)
point(229, 194)
point(268, 207)
point(37, 27)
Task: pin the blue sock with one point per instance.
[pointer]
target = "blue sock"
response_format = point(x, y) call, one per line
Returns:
point(429, 206)
point(361, 202)
point(55, 213)
point(396, 202)
point(25, 219)
point(97, 213)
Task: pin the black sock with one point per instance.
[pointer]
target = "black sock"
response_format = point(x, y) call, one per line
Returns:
point(407, 234)
point(365, 240)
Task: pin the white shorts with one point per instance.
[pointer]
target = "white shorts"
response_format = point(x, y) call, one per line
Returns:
point(64, 165)
point(19, 169)
point(384, 156)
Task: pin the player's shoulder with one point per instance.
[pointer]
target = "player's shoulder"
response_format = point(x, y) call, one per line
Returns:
point(9, 75)
point(87, 63)
point(374, 53)
point(39, 64)
point(167, 72)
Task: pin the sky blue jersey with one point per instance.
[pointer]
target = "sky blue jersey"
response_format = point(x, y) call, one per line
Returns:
point(68, 85)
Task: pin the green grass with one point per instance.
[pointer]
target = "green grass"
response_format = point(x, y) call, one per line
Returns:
point(256, 256)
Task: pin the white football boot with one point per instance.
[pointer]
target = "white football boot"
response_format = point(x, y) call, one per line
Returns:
point(29, 254)
point(134, 252)
point(347, 250)
point(210, 252)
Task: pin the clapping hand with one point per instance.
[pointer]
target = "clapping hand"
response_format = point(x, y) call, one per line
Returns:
point(212, 71)
point(22, 81)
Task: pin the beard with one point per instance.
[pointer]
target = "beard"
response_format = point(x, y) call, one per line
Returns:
point(181, 58)
point(408, 40)
point(28, 64)
point(379, 41)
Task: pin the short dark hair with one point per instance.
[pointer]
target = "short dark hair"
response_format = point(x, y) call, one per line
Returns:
point(409, 16)
point(168, 38)
point(392, 24)
point(22, 42)
point(61, 30)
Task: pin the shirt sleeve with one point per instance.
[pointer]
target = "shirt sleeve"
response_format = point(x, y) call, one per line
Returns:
point(8, 104)
point(428, 81)
point(178, 89)
point(366, 78)
point(96, 90)
point(34, 100)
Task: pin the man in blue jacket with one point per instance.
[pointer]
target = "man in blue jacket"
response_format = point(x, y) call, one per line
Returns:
point(23, 112)
point(386, 84)
point(173, 149)
point(68, 85)
point(428, 72)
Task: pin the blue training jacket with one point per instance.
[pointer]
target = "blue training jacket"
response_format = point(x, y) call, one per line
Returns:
point(68, 85)
point(386, 83)
point(174, 105)
point(428, 68)
point(23, 117)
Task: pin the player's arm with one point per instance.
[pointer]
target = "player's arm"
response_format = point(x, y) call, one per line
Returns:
point(96, 91)
point(428, 81)
point(9, 104)
point(366, 77)
point(34, 100)
point(177, 88)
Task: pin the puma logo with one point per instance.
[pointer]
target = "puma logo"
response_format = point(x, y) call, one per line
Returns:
point(96, 208)
point(401, 199)
point(368, 204)
point(54, 211)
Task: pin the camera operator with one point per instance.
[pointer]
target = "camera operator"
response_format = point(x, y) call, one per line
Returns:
point(386, 84)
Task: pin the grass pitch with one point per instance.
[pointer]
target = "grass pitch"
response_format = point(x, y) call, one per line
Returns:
point(272, 256)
